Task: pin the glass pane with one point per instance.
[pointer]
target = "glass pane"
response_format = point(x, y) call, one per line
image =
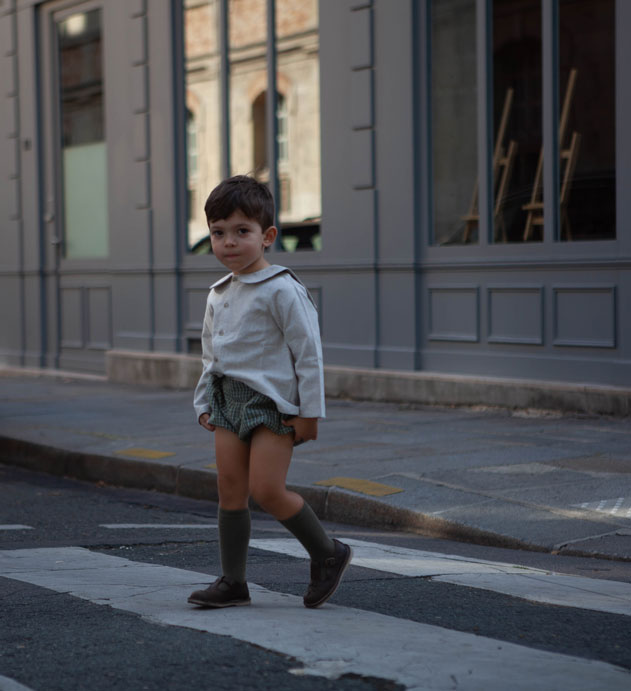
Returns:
point(203, 113)
point(587, 128)
point(298, 123)
point(517, 119)
point(248, 87)
point(83, 148)
point(454, 121)
point(85, 201)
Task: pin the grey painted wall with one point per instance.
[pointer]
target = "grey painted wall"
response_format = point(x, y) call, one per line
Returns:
point(387, 297)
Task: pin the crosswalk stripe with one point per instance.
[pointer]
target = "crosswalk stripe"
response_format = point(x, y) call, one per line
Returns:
point(7, 684)
point(531, 584)
point(617, 506)
point(330, 641)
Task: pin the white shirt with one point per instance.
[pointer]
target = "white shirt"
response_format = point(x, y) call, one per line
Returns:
point(262, 329)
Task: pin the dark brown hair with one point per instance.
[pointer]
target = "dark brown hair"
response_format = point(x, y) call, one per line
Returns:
point(241, 193)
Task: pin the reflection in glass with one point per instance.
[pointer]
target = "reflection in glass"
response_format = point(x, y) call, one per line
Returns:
point(297, 110)
point(454, 121)
point(248, 86)
point(203, 113)
point(298, 123)
point(517, 119)
point(83, 150)
point(587, 128)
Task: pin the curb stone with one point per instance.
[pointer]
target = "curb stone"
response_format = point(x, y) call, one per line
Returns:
point(329, 503)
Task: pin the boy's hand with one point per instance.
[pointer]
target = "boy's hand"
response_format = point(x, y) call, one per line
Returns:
point(203, 421)
point(305, 428)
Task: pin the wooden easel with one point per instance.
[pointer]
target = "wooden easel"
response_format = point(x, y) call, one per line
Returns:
point(569, 157)
point(501, 160)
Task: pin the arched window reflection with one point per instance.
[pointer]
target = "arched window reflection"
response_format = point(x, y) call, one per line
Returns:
point(192, 152)
point(240, 91)
point(259, 124)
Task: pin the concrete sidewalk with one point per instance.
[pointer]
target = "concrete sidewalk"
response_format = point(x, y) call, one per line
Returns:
point(523, 479)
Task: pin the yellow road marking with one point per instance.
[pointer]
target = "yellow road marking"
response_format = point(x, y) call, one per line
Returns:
point(374, 489)
point(144, 453)
point(212, 466)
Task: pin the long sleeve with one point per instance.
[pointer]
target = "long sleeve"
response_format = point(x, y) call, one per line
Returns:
point(199, 401)
point(299, 323)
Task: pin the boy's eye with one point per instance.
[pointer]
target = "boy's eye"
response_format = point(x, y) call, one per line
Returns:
point(216, 233)
point(244, 231)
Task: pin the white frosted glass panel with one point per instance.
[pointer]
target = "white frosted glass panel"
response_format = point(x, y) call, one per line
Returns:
point(85, 201)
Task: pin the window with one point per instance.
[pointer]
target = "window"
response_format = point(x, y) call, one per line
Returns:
point(259, 125)
point(282, 136)
point(203, 119)
point(192, 151)
point(227, 73)
point(454, 121)
point(83, 151)
point(549, 67)
point(587, 128)
point(517, 121)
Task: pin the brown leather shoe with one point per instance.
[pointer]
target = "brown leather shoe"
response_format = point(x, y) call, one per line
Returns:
point(326, 575)
point(222, 593)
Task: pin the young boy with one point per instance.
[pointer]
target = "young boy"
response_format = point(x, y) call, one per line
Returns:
point(261, 392)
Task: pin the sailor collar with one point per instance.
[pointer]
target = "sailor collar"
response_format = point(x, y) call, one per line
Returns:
point(257, 276)
point(262, 275)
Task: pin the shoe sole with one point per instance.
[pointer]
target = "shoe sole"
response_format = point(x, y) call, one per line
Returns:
point(340, 575)
point(232, 603)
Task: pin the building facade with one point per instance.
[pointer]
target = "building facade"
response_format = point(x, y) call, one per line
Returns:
point(452, 176)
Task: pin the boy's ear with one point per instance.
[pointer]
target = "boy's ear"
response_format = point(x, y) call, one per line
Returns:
point(269, 236)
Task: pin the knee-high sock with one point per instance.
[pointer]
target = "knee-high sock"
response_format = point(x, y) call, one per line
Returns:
point(234, 537)
point(306, 527)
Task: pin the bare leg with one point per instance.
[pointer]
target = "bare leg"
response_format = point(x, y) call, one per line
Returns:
point(232, 469)
point(233, 517)
point(269, 462)
point(270, 455)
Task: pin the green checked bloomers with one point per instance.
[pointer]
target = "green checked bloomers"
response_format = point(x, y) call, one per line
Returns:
point(238, 408)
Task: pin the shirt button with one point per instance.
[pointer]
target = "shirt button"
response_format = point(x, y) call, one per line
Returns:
point(221, 333)
point(226, 304)
point(216, 359)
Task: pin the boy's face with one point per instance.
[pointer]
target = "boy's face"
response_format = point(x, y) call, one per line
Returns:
point(239, 242)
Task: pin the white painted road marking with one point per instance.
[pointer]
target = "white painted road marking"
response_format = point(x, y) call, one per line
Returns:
point(7, 684)
point(166, 526)
point(518, 581)
point(618, 506)
point(15, 526)
point(330, 641)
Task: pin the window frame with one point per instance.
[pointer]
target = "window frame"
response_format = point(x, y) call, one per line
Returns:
point(186, 257)
point(551, 247)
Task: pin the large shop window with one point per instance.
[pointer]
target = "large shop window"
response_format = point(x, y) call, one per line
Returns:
point(579, 61)
point(83, 151)
point(226, 91)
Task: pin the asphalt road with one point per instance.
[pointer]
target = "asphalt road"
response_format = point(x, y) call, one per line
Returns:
point(50, 639)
